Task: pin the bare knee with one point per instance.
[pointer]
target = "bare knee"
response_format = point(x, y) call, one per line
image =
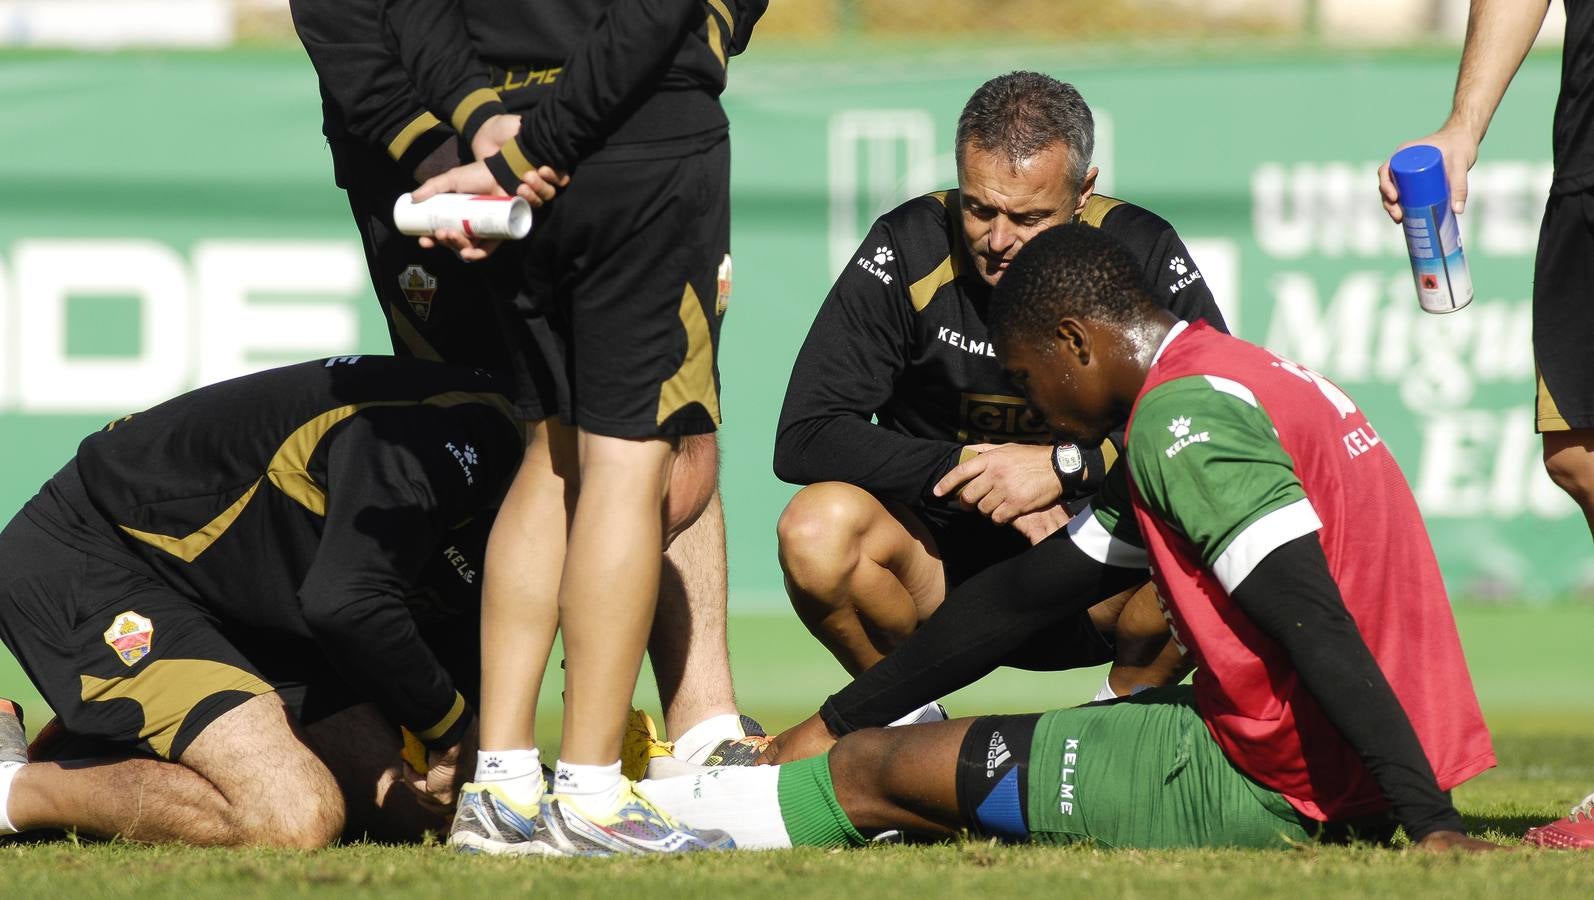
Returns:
point(306, 819)
point(860, 769)
point(694, 476)
point(819, 535)
point(1569, 461)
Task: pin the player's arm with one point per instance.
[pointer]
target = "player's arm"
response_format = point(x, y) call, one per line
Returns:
point(1235, 496)
point(436, 52)
point(846, 371)
point(625, 54)
point(987, 618)
point(1499, 35)
point(361, 76)
point(984, 621)
point(394, 488)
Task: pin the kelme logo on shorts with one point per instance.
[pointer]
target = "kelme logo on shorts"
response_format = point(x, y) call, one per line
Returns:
point(130, 635)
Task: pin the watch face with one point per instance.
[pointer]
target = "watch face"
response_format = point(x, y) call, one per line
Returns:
point(1069, 460)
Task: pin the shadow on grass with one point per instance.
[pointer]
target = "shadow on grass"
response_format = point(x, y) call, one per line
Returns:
point(1511, 826)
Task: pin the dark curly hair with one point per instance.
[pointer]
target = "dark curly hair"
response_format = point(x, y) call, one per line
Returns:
point(1070, 270)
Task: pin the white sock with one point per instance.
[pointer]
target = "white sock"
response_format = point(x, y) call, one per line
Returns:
point(517, 772)
point(8, 771)
point(595, 790)
point(697, 742)
point(741, 800)
point(1106, 692)
point(929, 712)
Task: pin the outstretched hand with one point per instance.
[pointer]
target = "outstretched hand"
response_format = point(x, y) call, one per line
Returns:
point(1460, 151)
point(1455, 841)
point(809, 737)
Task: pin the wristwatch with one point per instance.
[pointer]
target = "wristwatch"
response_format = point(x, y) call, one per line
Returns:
point(1069, 464)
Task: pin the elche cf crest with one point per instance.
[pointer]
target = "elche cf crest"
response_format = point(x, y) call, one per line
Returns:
point(418, 286)
point(130, 636)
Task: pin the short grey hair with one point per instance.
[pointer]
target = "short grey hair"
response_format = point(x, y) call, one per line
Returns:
point(1022, 113)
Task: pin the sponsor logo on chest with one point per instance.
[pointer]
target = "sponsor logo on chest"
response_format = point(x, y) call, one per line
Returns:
point(965, 343)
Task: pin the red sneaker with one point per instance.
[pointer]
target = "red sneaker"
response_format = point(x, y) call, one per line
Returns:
point(1575, 832)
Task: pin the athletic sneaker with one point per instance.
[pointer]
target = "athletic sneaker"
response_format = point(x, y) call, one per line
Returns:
point(924, 715)
point(489, 822)
point(1574, 832)
point(637, 826)
point(13, 737)
point(742, 751)
point(641, 745)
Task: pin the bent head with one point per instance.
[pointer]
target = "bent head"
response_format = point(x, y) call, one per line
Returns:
point(1023, 158)
point(1075, 328)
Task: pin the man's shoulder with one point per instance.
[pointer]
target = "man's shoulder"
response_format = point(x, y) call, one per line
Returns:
point(921, 239)
point(1134, 225)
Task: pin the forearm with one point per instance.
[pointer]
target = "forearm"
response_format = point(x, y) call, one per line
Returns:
point(1292, 597)
point(430, 42)
point(850, 449)
point(1499, 35)
point(975, 629)
point(372, 641)
point(627, 51)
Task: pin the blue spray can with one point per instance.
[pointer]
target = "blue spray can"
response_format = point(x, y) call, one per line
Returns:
point(1433, 239)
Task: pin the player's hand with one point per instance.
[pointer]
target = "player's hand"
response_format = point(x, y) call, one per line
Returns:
point(438, 788)
point(494, 134)
point(540, 185)
point(1041, 524)
point(809, 737)
point(1455, 841)
point(1460, 150)
point(1004, 481)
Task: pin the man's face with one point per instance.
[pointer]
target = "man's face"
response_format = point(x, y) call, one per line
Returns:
point(1066, 387)
point(1004, 205)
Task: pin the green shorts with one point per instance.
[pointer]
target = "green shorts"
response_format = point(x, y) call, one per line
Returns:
point(1143, 772)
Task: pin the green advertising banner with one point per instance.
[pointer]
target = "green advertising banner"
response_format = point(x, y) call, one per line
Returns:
point(169, 220)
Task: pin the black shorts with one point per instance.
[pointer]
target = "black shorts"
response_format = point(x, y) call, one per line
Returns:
point(437, 306)
point(968, 544)
point(625, 279)
point(116, 654)
point(1563, 313)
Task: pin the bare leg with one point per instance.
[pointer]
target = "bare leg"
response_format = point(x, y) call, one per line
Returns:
point(904, 778)
point(609, 588)
point(520, 588)
point(361, 748)
point(1569, 459)
point(691, 658)
point(861, 576)
point(1146, 653)
point(247, 779)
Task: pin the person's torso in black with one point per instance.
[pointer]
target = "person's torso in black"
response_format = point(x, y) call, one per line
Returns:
point(1574, 109)
point(902, 337)
point(222, 492)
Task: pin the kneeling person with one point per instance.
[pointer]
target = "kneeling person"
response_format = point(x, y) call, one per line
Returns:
point(251, 533)
point(1296, 574)
point(920, 463)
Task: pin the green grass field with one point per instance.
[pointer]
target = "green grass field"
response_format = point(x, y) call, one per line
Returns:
point(1530, 666)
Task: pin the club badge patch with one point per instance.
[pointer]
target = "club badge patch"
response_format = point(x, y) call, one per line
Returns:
point(130, 635)
point(418, 286)
point(722, 296)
